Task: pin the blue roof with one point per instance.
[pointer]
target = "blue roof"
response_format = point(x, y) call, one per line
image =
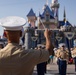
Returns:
point(47, 9)
point(41, 16)
point(31, 13)
point(62, 23)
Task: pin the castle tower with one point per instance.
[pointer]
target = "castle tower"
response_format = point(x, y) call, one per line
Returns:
point(28, 37)
point(31, 18)
point(55, 7)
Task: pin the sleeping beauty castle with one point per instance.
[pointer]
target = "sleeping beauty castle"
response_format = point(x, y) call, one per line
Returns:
point(49, 18)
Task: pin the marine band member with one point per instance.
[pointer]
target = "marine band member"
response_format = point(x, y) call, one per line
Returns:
point(62, 55)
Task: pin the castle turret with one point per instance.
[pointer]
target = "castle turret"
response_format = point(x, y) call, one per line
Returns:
point(55, 7)
point(29, 43)
point(31, 18)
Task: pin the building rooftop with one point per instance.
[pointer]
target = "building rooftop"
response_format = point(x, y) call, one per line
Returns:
point(31, 13)
point(62, 23)
point(47, 10)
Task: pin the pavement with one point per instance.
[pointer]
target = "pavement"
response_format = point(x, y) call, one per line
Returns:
point(52, 69)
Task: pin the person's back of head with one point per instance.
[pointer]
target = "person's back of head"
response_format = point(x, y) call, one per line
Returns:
point(12, 28)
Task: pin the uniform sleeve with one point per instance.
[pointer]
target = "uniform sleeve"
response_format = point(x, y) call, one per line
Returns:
point(36, 56)
point(58, 54)
point(43, 55)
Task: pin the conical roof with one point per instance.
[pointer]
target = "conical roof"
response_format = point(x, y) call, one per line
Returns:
point(31, 13)
point(47, 9)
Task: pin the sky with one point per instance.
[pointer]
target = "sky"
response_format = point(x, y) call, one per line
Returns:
point(22, 7)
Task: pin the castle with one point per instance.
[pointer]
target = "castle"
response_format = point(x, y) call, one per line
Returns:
point(49, 18)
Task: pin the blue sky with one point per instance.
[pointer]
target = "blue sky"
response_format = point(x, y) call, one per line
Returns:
point(22, 7)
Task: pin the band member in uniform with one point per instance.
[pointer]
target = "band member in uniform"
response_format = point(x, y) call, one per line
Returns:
point(74, 55)
point(62, 55)
point(14, 60)
point(41, 67)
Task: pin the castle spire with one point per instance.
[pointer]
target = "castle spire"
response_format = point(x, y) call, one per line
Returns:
point(55, 7)
point(64, 15)
point(46, 2)
point(64, 12)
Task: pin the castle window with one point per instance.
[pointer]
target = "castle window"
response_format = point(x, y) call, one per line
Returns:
point(47, 26)
point(47, 16)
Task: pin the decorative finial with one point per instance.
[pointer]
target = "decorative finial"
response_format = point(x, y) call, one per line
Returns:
point(64, 12)
point(64, 15)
